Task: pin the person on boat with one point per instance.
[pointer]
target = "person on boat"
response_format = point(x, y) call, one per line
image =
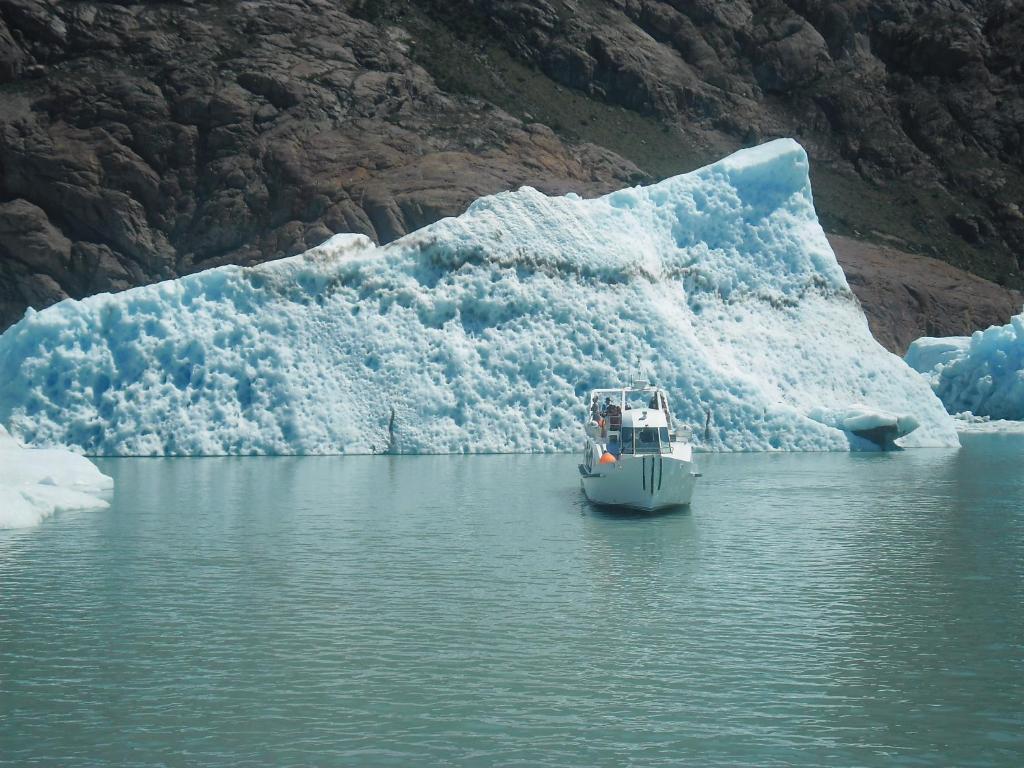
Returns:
point(606, 406)
point(595, 409)
point(653, 405)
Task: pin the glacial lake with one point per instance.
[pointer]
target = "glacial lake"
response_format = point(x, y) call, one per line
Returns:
point(809, 609)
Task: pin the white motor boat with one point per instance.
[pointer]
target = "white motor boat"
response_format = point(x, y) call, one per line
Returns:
point(634, 456)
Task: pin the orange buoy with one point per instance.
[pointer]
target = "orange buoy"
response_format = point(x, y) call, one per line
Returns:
point(607, 458)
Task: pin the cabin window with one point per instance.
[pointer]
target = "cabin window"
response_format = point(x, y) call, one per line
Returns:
point(666, 442)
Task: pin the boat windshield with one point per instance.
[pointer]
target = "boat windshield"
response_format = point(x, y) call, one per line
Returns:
point(607, 406)
point(645, 440)
point(637, 400)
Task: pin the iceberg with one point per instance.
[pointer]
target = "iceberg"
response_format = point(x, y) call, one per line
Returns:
point(982, 374)
point(869, 427)
point(967, 422)
point(35, 483)
point(484, 332)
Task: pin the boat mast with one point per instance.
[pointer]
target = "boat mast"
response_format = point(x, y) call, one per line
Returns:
point(631, 371)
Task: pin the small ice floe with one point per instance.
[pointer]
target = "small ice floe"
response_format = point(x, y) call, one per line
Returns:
point(36, 482)
point(867, 428)
point(982, 374)
point(968, 422)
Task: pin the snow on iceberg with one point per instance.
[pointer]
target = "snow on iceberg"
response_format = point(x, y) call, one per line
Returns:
point(35, 483)
point(484, 333)
point(982, 374)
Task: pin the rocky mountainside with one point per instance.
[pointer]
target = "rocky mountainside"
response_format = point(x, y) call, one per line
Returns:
point(141, 142)
point(907, 295)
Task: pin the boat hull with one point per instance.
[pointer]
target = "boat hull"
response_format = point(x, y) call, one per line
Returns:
point(646, 483)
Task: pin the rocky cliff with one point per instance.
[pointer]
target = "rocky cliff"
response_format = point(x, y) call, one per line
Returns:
point(139, 142)
point(906, 295)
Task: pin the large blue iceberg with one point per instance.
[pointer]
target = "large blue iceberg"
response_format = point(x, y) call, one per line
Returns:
point(982, 373)
point(484, 332)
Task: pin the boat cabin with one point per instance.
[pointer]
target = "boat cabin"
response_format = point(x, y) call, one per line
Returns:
point(634, 420)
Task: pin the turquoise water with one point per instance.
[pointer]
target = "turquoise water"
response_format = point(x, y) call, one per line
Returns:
point(810, 609)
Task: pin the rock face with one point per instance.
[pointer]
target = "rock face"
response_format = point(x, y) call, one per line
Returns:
point(906, 296)
point(142, 142)
point(911, 110)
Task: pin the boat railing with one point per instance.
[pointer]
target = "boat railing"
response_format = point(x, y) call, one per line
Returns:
point(614, 421)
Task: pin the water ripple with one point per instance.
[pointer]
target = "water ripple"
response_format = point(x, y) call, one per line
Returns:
point(808, 610)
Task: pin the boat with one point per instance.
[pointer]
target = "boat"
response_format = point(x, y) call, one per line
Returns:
point(635, 456)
